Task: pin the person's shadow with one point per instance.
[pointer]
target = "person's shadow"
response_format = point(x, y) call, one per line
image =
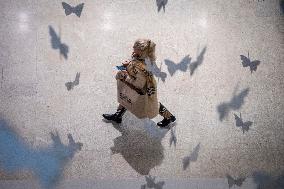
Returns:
point(140, 143)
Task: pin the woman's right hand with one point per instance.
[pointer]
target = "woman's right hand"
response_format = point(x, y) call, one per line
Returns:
point(121, 75)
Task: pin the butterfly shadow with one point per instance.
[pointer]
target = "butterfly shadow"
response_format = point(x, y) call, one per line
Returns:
point(139, 143)
point(281, 3)
point(77, 10)
point(57, 44)
point(246, 62)
point(245, 126)
point(191, 158)
point(238, 182)
point(234, 104)
point(199, 60)
point(151, 183)
point(161, 4)
point(182, 65)
point(173, 137)
point(157, 72)
point(46, 163)
point(264, 180)
point(70, 85)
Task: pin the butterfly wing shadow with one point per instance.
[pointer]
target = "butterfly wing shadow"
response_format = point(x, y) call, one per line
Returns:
point(184, 64)
point(173, 138)
point(194, 154)
point(239, 121)
point(56, 43)
point(160, 185)
point(161, 4)
point(253, 65)
point(231, 181)
point(223, 110)
point(158, 73)
point(78, 9)
point(69, 85)
point(64, 49)
point(75, 146)
point(55, 40)
point(238, 100)
point(163, 76)
point(186, 162)
point(77, 79)
point(150, 181)
point(245, 61)
point(192, 157)
point(172, 67)
point(199, 60)
point(246, 126)
point(67, 8)
point(239, 182)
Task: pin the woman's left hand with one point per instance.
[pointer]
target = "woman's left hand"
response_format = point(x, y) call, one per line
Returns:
point(125, 63)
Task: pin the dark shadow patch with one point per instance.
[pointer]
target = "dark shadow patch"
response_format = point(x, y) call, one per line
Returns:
point(158, 73)
point(246, 62)
point(173, 138)
point(265, 181)
point(282, 6)
point(182, 65)
point(57, 44)
point(70, 9)
point(141, 148)
point(243, 125)
point(161, 4)
point(234, 104)
point(151, 183)
point(70, 85)
point(191, 158)
point(199, 60)
point(46, 163)
point(238, 182)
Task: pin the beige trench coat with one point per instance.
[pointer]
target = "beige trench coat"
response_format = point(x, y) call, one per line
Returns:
point(141, 106)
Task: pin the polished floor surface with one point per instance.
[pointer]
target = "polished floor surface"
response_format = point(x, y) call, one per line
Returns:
point(219, 69)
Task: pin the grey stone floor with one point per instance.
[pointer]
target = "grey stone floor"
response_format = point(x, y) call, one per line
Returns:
point(201, 80)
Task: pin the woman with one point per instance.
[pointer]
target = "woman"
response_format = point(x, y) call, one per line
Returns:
point(137, 78)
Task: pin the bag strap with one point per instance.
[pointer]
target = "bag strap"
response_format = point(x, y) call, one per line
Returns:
point(146, 72)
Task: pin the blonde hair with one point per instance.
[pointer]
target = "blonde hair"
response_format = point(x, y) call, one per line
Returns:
point(147, 47)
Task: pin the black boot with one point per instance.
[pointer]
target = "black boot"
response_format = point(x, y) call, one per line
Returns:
point(116, 117)
point(165, 122)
